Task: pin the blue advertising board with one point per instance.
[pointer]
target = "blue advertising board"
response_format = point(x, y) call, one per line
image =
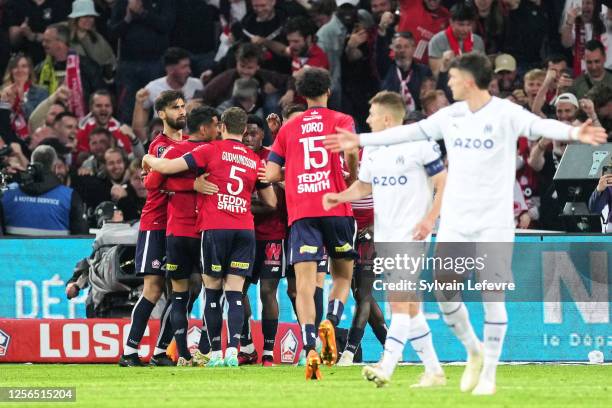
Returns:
point(565, 315)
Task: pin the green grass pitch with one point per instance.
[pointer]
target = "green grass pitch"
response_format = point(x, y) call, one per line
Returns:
point(113, 386)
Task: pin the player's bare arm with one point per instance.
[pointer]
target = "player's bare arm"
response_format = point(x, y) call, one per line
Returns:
point(345, 140)
point(273, 173)
point(425, 226)
point(203, 186)
point(267, 195)
point(164, 166)
point(357, 190)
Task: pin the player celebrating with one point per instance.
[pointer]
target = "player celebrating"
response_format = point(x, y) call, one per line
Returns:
point(310, 172)
point(397, 178)
point(151, 244)
point(226, 223)
point(182, 236)
point(480, 133)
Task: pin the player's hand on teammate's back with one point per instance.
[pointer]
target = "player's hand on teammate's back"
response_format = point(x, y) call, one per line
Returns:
point(343, 140)
point(423, 229)
point(201, 185)
point(261, 175)
point(330, 200)
point(587, 133)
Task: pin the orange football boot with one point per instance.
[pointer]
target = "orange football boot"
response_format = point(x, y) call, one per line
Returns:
point(313, 361)
point(327, 334)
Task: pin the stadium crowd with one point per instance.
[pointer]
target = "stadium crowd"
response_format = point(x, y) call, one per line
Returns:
point(82, 76)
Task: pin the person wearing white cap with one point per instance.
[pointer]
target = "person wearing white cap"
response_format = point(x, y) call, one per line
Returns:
point(86, 41)
point(566, 107)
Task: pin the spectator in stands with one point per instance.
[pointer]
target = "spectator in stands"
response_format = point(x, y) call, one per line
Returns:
point(595, 57)
point(601, 96)
point(385, 19)
point(602, 197)
point(263, 26)
point(404, 75)
point(303, 51)
point(101, 115)
point(582, 23)
point(195, 30)
point(52, 72)
point(21, 93)
point(220, 88)
point(321, 12)
point(458, 37)
point(46, 130)
point(566, 106)
point(87, 42)
point(130, 197)
point(65, 128)
point(433, 101)
point(490, 24)
point(424, 19)
point(245, 96)
point(144, 29)
point(42, 206)
point(526, 32)
point(533, 81)
point(28, 19)
point(507, 75)
point(99, 142)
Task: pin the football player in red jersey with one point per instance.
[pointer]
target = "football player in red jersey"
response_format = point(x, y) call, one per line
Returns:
point(310, 172)
point(226, 223)
point(151, 244)
point(182, 236)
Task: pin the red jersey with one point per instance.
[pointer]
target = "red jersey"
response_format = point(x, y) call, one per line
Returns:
point(315, 57)
point(271, 226)
point(423, 24)
point(89, 123)
point(311, 170)
point(233, 168)
point(182, 213)
point(153, 216)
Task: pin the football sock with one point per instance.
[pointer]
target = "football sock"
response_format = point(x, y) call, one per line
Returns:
point(165, 330)
point(457, 318)
point(354, 339)
point(421, 341)
point(396, 340)
point(213, 313)
point(335, 308)
point(180, 322)
point(245, 333)
point(495, 326)
point(140, 316)
point(309, 337)
point(268, 329)
point(318, 301)
point(376, 321)
point(235, 317)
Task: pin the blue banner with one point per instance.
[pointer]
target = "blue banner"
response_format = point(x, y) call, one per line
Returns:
point(572, 319)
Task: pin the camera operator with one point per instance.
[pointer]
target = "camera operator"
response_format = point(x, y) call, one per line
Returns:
point(37, 204)
point(602, 196)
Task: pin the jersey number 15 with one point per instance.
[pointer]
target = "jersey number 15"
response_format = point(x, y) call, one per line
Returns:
point(312, 152)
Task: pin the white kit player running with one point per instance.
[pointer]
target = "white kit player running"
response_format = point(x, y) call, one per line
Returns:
point(401, 180)
point(480, 134)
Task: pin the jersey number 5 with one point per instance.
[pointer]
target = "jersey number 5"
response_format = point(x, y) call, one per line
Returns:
point(234, 176)
point(310, 150)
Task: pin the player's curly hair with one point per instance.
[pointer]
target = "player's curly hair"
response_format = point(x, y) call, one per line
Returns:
point(166, 98)
point(201, 115)
point(313, 82)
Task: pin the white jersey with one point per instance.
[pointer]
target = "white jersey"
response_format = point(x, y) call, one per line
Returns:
point(160, 85)
point(401, 187)
point(481, 150)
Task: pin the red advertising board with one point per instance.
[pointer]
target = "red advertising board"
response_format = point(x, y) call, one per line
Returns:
point(101, 340)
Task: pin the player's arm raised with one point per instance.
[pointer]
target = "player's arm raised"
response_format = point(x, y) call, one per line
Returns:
point(164, 166)
point(357, 190)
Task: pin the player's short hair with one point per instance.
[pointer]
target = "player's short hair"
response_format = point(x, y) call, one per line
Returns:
point(248, 52)
point(62, 115)
point(45, 155)
point(201, 115)
point(463, 12)
point(535, 75)
point(392, 101)
point(235, 120)
point(478, 65)
point(100, 131)
point(305, 26)
point(293, 108)
point(167, 98)
point(594, 45)
point(255, 120)
point(63, 32)
point(174, 55)
point(312, 82)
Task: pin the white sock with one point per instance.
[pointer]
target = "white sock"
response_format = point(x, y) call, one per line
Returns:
point(396, 340)
point(158, 351)
point(127, 350)
point(231, 351)
point(495, 326)
point(216, 354)
point(268, 353)
point(457, 318)
point(248, 349)
point(420, 339)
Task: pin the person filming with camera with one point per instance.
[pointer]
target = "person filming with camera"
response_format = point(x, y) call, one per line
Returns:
point(35, 203)
point(602, 196)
